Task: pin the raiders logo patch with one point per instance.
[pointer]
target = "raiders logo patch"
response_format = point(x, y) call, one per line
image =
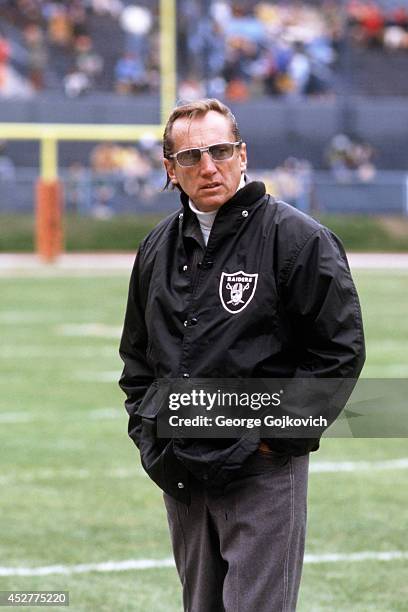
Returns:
point(237, 290)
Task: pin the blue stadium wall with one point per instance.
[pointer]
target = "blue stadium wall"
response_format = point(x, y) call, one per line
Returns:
point(273, 129)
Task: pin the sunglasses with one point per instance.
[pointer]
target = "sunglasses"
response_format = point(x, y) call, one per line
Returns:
point(218, 152)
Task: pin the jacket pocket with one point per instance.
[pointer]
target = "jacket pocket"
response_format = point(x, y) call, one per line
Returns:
point(152, 448)
point(157, 455)
point(149, 406)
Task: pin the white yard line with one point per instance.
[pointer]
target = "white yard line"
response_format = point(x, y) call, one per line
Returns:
point(368, 555)
point(143, 564)
point(84, 568)
point(358, 466)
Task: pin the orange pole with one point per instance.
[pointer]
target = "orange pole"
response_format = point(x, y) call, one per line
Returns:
point(49, 234)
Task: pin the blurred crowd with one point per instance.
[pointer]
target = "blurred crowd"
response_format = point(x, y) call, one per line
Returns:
point(134, 172)
point(114, 170)
point(379, 24)
point(137, 172)
point(233, 49)
point(247, 48)
point(241, 49)
point(79, 45)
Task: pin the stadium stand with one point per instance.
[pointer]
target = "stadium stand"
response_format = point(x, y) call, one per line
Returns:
point(51, 41)
point(313, 69)
point(233, 49)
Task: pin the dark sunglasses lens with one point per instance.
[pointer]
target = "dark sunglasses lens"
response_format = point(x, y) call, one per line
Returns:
point(189, 157)
point(222, 151)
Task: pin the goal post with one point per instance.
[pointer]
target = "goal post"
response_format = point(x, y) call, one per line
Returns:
point(48, 190)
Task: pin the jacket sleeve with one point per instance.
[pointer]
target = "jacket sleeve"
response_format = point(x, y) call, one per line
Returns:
point(137, 375)
point(323, 310)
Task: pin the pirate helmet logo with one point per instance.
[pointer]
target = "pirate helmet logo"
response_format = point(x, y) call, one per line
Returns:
point(237, 290)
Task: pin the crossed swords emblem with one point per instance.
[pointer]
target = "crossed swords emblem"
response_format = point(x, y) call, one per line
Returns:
point(237, 291)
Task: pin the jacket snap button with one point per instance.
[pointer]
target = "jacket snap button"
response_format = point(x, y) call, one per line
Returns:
point(244, 213)
point(180, 485)
point(194, 321)
point(185, 323)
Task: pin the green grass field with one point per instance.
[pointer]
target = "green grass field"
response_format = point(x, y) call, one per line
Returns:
point(361, 233)
point(72, 490)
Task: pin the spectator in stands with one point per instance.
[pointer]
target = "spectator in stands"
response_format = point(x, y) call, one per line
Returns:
point(107, 7)
point(60, 30)
point(12, 84)
point(396, 29)
point(130, 75)
point(349, 159)
point(4, 59)
point(37, 55)
point(78, 17)
point(76, 188)
point(135, 170)
point(363, 155)
point(292, 182)
point(88, 61)
point(372, 24)
point(299, 70)
point(339, 157)
point(76, 83)
point(7, 167)
point(191, 89)
point(123, 167)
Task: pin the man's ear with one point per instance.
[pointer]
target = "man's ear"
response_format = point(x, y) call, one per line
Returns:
point(243, 157)
point(169, 165)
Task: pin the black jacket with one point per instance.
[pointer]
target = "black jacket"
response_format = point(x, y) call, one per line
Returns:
point(299, 316)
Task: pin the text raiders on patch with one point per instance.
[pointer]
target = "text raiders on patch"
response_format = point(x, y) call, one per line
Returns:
point(236, 290)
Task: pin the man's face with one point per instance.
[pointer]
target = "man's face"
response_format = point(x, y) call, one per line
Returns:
point(209, 183)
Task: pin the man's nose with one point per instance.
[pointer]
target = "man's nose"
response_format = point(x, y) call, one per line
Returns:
point(207, 164)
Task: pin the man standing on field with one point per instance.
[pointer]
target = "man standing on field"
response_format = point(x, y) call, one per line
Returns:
point(233, 285)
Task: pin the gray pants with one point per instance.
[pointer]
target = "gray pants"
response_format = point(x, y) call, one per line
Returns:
point(242, 550)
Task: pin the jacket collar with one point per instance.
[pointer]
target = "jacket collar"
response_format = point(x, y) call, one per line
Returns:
point(243, 198)
point(229, 215)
